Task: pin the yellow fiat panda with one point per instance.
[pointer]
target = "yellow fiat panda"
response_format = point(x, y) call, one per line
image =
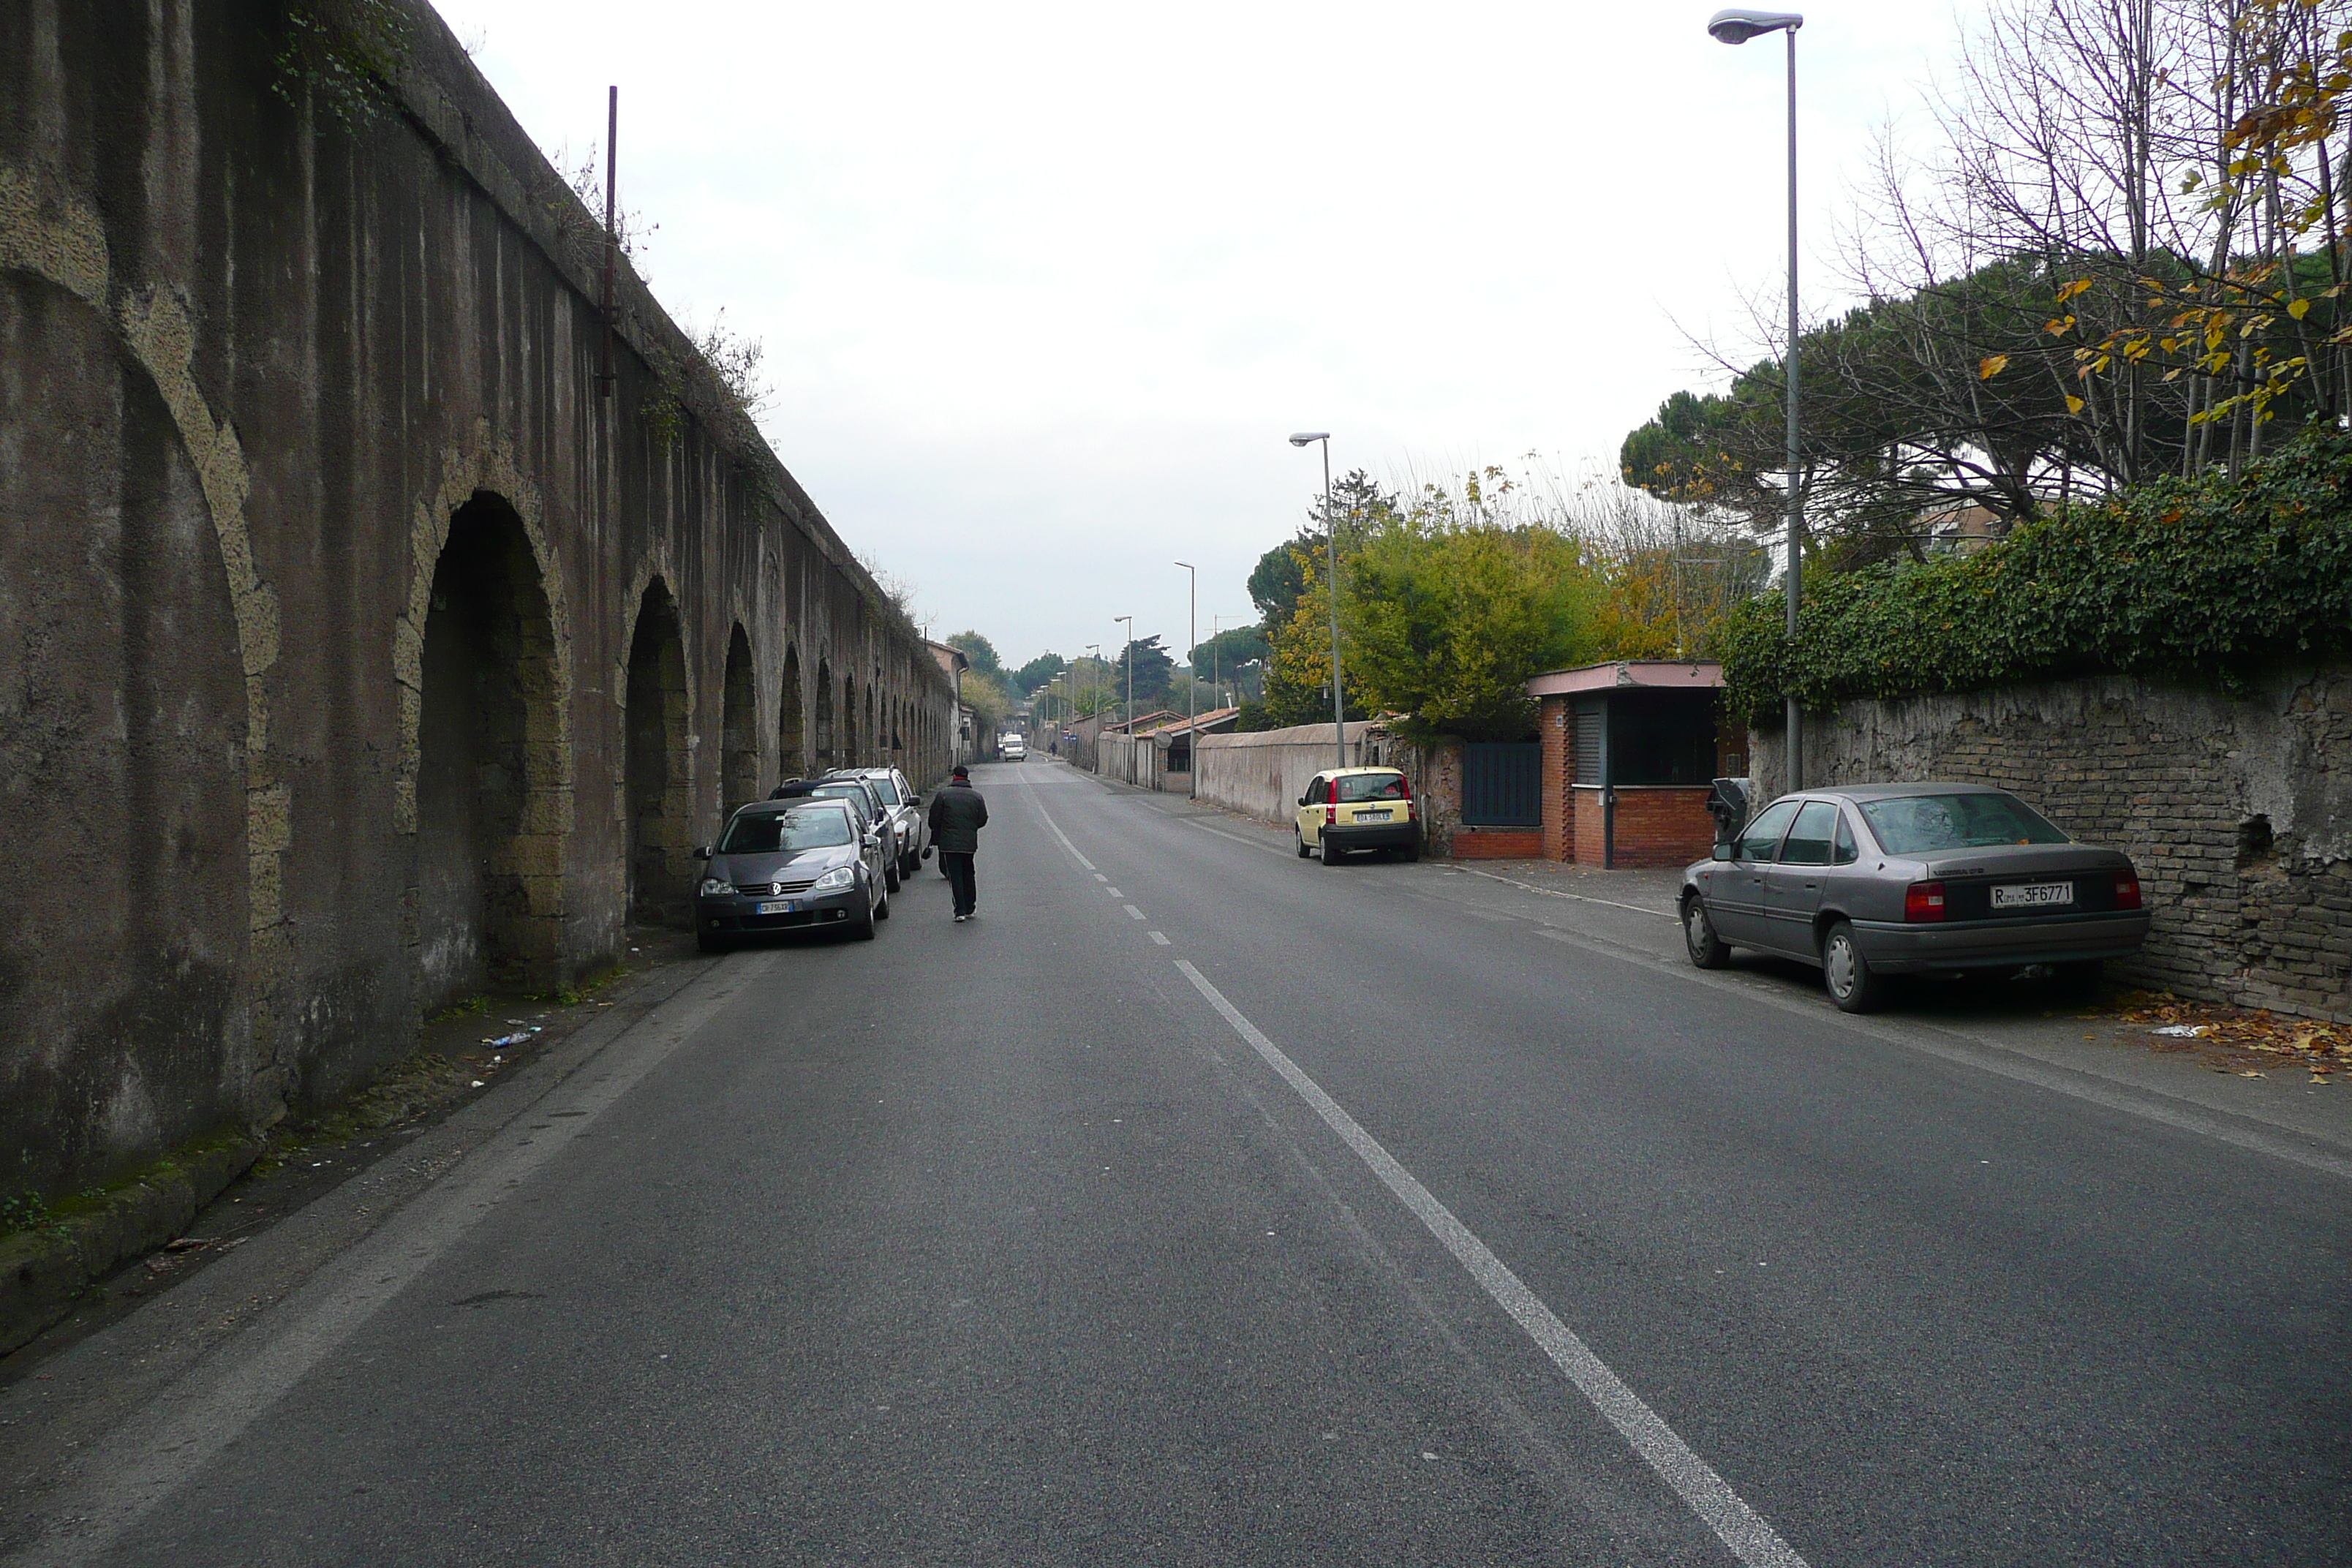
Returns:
point(1346, 809)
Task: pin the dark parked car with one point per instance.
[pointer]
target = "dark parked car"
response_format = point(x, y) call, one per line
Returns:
point(787, 865)
point(905, 807)
point(1882, 880)
point(860, 793)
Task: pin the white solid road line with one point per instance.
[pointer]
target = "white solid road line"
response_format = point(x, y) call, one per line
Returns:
point(154, 1453)
point(1742, 1529)
point(1580, 897)
point(1031, 791)
point(1986, 1055)
point(1237, 839)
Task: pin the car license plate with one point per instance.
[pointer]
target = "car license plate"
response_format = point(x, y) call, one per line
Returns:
point(1371, 817)
point(2033, 895)
point(780, 907)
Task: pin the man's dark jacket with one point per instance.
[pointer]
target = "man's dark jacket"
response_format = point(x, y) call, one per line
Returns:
point(958, 814)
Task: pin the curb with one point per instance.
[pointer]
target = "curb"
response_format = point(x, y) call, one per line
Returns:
point(43, 1274)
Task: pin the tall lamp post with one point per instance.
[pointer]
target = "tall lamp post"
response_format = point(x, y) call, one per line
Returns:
point(1191, 688)
point(1130, 673)
point(1737, 26)
point(1331, 550)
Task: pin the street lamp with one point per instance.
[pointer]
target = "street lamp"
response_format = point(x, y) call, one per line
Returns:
point(1331, 548)
point(1192, 689)
point(1737, 26)
point(1130, 673)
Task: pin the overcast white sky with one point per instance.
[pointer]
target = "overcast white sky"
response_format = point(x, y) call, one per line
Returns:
point(1043, 287)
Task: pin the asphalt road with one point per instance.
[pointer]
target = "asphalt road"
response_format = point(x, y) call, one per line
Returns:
point(1201, 1205)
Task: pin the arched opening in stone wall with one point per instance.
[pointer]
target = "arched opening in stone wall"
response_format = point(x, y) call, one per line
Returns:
point(658, 793)
point(791, 742)
point(739, 767)
point(124, 915)
point(489, 875)
point(872, 732)
point(825, 737)
point(850, 753)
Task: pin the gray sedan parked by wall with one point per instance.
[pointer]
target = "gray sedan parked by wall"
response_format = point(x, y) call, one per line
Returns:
point(788, 865)
point(1881, 879)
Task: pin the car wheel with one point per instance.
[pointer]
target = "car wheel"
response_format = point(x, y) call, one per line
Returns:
point(1330, 854)
point(862, 928)
point(1852, 985)
point(890, 876)
point(1706, 950)
point(1410, 853)
point(882, 908)
point(1303, 851)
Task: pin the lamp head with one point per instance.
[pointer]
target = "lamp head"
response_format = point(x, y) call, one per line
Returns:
point(1738, 24)
point(1306, 437)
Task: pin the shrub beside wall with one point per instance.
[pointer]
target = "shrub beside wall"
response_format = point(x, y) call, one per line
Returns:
point(2204, 578)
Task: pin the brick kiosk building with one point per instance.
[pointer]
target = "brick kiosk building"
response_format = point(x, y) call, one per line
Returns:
point(1629, 749)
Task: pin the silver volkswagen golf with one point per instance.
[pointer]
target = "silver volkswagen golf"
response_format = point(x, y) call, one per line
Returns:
point(1875, 881)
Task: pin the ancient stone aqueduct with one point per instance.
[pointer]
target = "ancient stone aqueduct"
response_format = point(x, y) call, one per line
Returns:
point(356, 652)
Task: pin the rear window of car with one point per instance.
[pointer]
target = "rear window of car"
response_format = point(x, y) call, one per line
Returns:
point(854, 793)
point(1922, 824)
point(1370, 786)
point(772, 832)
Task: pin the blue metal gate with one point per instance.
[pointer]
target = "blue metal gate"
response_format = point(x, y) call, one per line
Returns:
point(1502, 786)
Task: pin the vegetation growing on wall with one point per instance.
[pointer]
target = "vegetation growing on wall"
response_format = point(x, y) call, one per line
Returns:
point(2204, 577)
point(342, 57)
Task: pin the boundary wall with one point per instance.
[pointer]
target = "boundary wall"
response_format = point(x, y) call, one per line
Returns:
point(2236, 808)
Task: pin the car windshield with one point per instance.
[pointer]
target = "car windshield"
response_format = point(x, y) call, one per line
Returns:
point(769, 832)
point(1370, 786)
point(889, 789)
point(1921, 824)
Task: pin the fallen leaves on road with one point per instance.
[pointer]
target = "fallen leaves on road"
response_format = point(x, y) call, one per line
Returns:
point(2231, 1040)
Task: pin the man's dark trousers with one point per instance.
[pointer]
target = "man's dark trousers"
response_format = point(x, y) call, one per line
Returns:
point(961, 879)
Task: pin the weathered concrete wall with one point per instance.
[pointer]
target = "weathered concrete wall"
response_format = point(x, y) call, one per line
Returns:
point(2237, 809)
point(1262, 773)
point(354, 653)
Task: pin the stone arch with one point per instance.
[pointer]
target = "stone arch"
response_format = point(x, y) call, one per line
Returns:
point(739, 755)
point(492, 809)
point(483, 471)
point(125, 878)
point(849, 736)
point(824, 758)
point(657, 770)
point(47, 233)
point(792, 732)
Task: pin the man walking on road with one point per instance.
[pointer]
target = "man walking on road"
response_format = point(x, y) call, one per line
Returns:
point(958, 814)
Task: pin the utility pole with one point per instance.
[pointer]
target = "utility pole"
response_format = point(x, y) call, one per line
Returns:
point(1130, 726)
point(1331, 546)
point(1192, 689)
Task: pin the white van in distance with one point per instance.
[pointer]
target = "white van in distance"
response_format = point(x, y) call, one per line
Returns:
point(1012, 747)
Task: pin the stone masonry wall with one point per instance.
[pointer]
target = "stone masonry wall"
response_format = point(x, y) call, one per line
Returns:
point(2236, 808)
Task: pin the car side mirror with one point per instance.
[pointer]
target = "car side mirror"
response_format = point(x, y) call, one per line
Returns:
point(702, 851)
point(1723, 851)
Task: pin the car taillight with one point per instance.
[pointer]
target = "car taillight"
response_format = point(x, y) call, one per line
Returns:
point(1405, 784)
point(1923, 902)
point(1330, 815)
point(2127, 889)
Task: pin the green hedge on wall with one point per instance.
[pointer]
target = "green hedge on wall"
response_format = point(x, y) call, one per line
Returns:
point(2201, 578)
